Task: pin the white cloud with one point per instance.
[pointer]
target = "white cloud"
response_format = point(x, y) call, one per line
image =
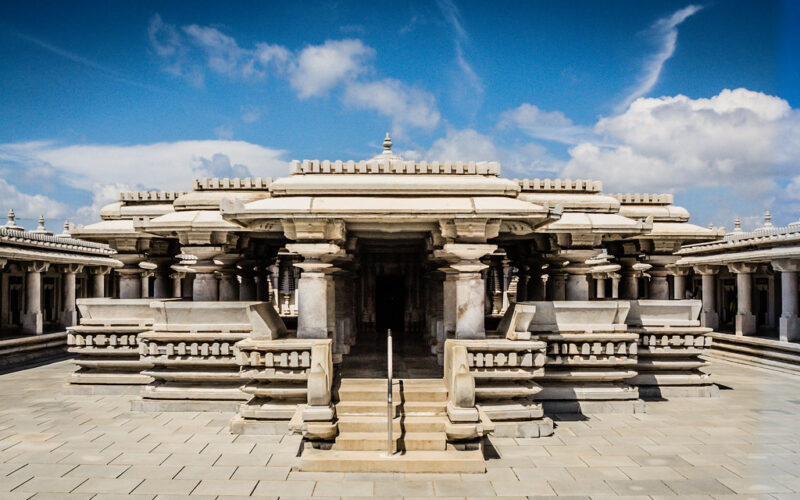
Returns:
point(321, 67)
point(541, 124)
point(406, 106)
point(452, 16)
point(163, 165)
point(30, 206)
point(526, 160)
point(224, 56)
point(223, 132)
point(665, 33)
point(739, 138)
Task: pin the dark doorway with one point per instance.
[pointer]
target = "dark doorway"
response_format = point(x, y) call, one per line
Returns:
point(390, 303)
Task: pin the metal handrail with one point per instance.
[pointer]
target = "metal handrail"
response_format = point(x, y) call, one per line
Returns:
point(389, 412)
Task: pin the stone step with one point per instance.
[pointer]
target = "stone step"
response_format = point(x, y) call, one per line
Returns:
point(370, 423)
point(379, 408)
point(450, 461)
point(376, 390)
point(376, 441)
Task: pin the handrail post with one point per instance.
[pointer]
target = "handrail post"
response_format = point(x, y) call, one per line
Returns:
point(389, 412)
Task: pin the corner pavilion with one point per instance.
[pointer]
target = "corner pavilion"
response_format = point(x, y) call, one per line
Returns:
point(507, 299)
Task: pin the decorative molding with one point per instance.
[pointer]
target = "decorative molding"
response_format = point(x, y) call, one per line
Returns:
point(389, 166)
point(560, 185)
point(228, 184)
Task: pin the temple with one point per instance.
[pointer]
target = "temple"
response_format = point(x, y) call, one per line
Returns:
point(507, 301)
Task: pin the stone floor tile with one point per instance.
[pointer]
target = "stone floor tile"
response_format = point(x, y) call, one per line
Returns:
point(99, 471)
point(261, 473)
point(190, 459)
point(205, 472)
point(404, 488)
point(114, 496)
point(463, 488)
point(167, 486)
point(109, 485)
point(698, 487)
point(651, 472)
point(542, 473)
point(522, 487)
point(47, 470)
point(581, 487)
point(225, 487)
point(62, 496)
point(152, 471)
point(643, 487)
point(596, 473)
point(43, 484)
point(140, 459)
point(285, 488)
point(259, 459)
point(344, 488)
point(754, 485)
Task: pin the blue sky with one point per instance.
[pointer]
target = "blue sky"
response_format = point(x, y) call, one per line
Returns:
point(696, 98)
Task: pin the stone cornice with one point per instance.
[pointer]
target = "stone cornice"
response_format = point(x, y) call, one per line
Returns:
point(52, 242)
point(390, 166)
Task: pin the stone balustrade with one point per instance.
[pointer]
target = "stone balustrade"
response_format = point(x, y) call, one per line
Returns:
point(671, 342)
point(107, 344)
point(191, 349)
point(590, 357)
point(290, 381)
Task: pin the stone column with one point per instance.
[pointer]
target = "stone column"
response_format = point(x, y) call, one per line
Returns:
point(177, 284)
point(577, 286)
point(69, 315)
point(247, 284)
point(556, 285)
point(450, 301)
point(470, 288)
point(658, 288)
point(536, 284)
point(144, 280)
point(99, 281)
point(709, 317)
point(32, 321)
point(163, 286)
point(200, 261)
point(680, 279)
point(600, 286)
point(789, 323)
point(615, 279)
point(522, 282)
point(228, 282)
point(312, 314)
point(745, 319)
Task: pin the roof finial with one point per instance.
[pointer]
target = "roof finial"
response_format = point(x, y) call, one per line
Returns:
point(66, 234)
point(767, 219)
point(711, 225)
point(387, 144)
point(41, 228)
point(737, 225)
point(11, 224)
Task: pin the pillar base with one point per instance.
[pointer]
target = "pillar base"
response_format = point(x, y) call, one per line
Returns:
point(709, 319)
point(789, 328)
point(33, 323)
point(745, 324)
point(69, 317)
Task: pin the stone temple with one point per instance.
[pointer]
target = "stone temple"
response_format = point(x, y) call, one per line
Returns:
point(508, 301)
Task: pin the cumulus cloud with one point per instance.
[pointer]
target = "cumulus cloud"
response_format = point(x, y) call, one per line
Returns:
point(220, 166)
point(525, 160)
point(163, 165)
point(740, 141)
point(313, 71)
point(321, 67)
point(29, 206)
point(406, 106)
point(541, 124)
point(665, 35)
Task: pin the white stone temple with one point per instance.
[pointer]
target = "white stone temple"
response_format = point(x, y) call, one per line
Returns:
point(507, 301)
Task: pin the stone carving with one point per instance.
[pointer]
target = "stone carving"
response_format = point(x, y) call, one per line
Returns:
point(671, 342)
point(107, 344)
point(191, 348)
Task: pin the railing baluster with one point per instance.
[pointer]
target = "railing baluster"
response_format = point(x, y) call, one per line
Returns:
point(389, 412)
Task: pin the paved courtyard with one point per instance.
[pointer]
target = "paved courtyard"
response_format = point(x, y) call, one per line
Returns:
point(744, 444)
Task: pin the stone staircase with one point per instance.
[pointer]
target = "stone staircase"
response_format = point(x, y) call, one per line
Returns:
point(419, 425)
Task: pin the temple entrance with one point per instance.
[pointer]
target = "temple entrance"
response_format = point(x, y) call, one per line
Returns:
point(390, 295)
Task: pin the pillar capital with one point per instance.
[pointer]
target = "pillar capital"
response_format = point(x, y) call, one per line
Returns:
point(469, 251)
point(706, 269)
point(37, 266)
point(99, 270)
point(743, 267)
point(71, 268)
point(314, 251)
point(3, 263)
point(786, 265)
point(674, 270)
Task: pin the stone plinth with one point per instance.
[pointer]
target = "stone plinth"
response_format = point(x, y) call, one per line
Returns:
point(191, 348)
point(590, 357)
point(107, 344)
point(671, 342)
point(290, 384)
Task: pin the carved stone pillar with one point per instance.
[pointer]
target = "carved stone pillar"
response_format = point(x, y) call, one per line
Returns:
point(33, 321)
point(99, 281)
point(450, 301)
point(163, 286)
point(313, 294)
point(709, 317)
point(522, 282)
point(536, 284)
point(130, 282)
point(144, 282)
point(556, 285)
point(745, 319)
point(658, 288)
point(69, 315)
point(680, 279)
point(470, 288)
point(200, 261)
point(228, 281)
point(789, 323)
point(247, 284)
point(177, 284)
point(615, 279)
point(578, 273)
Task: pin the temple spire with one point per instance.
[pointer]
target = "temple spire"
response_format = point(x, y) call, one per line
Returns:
point(12, 224)
point(387, 144)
